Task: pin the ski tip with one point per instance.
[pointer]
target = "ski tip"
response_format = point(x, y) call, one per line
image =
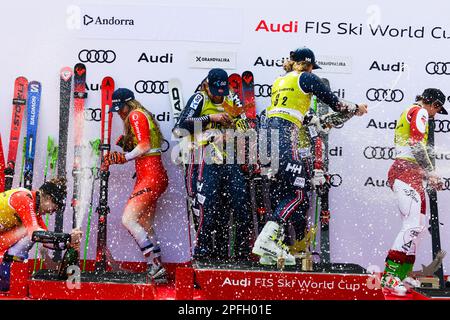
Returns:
point(247, 77)
point(80, 70)
point(66, 73)
point(107, 82)
point(20, 79)
point(33, 84)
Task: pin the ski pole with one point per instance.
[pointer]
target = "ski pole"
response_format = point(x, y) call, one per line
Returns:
point(316, 221)
point(24, 150)
point(47, 159)
point(95, 146)
point(53, 152)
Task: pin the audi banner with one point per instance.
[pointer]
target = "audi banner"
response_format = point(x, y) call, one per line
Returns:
point(371, 52)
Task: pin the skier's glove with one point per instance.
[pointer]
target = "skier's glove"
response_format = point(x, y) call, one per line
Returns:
point(311, 119)
point(114, 158)
point(434, 181)
point(318, 180)
point(242, 125)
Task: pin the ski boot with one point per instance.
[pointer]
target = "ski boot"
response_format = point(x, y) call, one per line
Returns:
point(392, 284)
point(269, 245)
point(411, 283)
point(157, 273)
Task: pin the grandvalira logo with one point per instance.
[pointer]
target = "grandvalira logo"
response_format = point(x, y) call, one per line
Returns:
point(111, 21)
point(151, 86)
point(439, 68)
point(387, 95)
point(212, 59)
point(97, 56)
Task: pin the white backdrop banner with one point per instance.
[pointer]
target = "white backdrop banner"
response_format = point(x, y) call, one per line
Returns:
point(372, 53)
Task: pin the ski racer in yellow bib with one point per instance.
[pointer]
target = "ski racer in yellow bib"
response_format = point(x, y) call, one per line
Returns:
point(406, 176)
point(290, 103)
point(21, 215)
point(288, 115)
point(217, 183)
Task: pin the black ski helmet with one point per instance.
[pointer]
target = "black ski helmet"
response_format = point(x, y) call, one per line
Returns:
point(57, 190)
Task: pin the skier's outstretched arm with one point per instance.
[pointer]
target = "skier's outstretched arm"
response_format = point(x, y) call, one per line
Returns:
point(311, 83)
point(190, 115)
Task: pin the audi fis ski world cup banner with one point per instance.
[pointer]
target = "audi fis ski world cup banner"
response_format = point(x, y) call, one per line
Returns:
point(368, 51)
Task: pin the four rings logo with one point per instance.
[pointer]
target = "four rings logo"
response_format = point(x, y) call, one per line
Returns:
point(97, 56)
point(387, 95)
point(93, 114)
point(335, 180)
point(263, 90)
point(150, 86)
point(442, 126)
point(379, 153)
point(439, 68)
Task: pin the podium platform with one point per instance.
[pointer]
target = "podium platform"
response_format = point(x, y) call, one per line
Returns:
point(248, 281)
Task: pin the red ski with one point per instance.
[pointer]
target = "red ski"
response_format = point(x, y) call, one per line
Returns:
point(79, 98)
point(2, 167)
point(235, 82)
point(19, 105)
point(105, 146)
point(248, 91)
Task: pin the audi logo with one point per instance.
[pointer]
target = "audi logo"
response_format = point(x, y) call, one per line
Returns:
point(387, 95)
point(150, 86)
point(441, 125)
point(335, 180)
point(379, 153)
point(446, 182)
point(97, 56)
point(263, 90)
point(93, 114)
point(439, 68)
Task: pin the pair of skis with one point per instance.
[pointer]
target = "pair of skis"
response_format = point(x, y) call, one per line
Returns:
point(79, 78)
point(26, 95)
point(243, 87)
point(18, 107)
